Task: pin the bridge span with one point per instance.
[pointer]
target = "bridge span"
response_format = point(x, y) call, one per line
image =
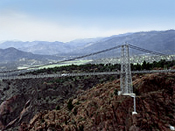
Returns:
point(125, 71)
point(81, 74)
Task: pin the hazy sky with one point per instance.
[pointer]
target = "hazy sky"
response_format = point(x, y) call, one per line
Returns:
point(65, 20)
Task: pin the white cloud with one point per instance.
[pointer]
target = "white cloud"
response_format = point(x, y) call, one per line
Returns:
point(18, 26)
point(26, 28)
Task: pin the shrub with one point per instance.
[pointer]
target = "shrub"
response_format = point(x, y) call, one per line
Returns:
point(75, 111)
point(57, 107)
point(81, 128)
point(70, 106)
point(42, 120)
point(116, 92)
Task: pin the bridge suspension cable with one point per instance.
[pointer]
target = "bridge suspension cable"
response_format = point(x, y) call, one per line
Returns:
point(125, 66)
point(71, 59)
point(147, 51)
point(91, 54)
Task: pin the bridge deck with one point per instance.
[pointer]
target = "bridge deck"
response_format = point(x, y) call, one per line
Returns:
point(82, 74)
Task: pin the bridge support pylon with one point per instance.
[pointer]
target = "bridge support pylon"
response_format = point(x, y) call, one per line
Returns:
point(125, 75)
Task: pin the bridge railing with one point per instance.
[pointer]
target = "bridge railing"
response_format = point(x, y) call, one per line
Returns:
point(81, 74)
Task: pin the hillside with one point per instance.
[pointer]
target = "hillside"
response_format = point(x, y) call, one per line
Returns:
point(41, 94)
point(22, 99)
point(11, 58)
point(162, 41)
point(11, 54)
point(100, 108)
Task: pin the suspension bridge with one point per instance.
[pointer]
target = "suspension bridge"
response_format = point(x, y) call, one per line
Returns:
point(125, 72)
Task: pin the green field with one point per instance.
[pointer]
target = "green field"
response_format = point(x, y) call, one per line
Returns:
point(76, 62)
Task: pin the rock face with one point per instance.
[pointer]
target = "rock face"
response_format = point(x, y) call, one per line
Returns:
point(22, 99)
point(8, 109)
point(100, 109)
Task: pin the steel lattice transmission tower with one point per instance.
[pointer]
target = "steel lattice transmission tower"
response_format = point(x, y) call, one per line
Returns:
point(125, 76)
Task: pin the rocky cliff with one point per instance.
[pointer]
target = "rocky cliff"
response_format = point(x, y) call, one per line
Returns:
point(101, 109)
point(22, 99)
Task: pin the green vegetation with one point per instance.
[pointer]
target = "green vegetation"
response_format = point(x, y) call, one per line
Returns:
point(70, 106)
point(150, 66)
point(78, 68)
point(116, 92)
point(75, 111)
point(103, 67)
point(78, 62)
point(57, 107)
point(81, 128)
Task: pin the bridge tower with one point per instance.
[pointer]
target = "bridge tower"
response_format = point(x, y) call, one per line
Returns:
point(125, 75)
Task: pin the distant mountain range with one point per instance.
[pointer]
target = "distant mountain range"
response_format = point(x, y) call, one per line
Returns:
point(161, 41)
point(55, 48)
point(37, 47)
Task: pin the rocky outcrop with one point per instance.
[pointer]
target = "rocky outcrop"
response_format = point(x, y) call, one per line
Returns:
point(9, 109)
point(101, 109)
